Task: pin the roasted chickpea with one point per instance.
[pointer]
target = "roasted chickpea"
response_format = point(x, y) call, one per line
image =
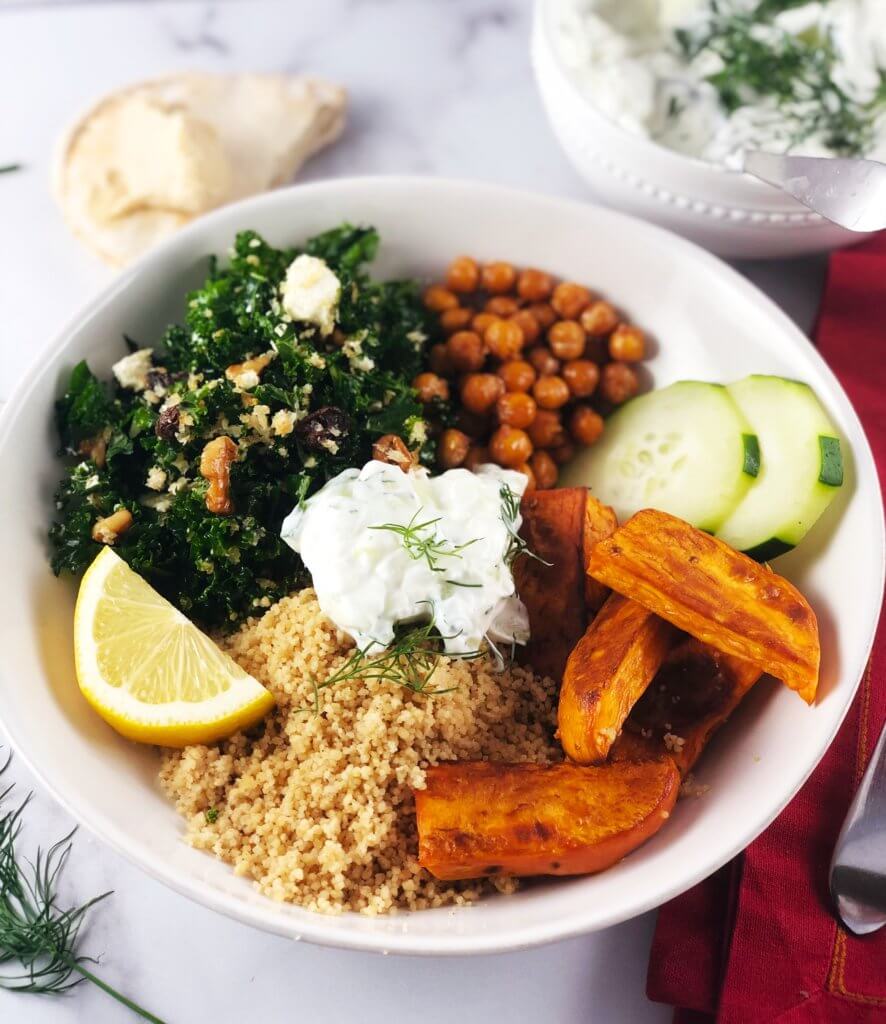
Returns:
point(527, 324)
point(457, 319)
point(599, 318)
point(463, 275)
point(498, 278)
point(544, 314)
point(510, 447)
point(482, 321)
point(563, 453)
point(585, 425)
point(430, 386)
point(466, 351)
point(543, 360)
point(546, 430)
point(439, 298)
point(504, 339)
point(618, 383)
point(517, 374)
point(569, 299)
point(567, 339)
point(516, 409)
point(526, 470)
point(452, 448)
point(502, 305)
point(550, 392)
point(480, 391)
point(534, 285)
point(581, 376)
point(627, 344)
point(545, 470)
point(439, 361)
point(477, 456)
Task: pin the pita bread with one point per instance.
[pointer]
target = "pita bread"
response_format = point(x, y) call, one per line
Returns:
point(149, 158)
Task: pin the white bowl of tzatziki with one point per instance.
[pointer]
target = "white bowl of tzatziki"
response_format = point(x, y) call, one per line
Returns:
point(655, 102)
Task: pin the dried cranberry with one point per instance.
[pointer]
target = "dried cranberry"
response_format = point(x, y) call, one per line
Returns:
point(324, 429)
point(166, 426)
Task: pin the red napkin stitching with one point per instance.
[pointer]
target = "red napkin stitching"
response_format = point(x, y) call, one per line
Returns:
point(757, 942)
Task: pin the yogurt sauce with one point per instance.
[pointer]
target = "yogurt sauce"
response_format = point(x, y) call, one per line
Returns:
point(452, 565)
point(629, 61)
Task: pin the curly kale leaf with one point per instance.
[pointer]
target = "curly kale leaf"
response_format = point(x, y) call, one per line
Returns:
point(86, 409)
point(318, 408)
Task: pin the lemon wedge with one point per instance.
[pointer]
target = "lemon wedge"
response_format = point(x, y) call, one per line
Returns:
point(148, 671)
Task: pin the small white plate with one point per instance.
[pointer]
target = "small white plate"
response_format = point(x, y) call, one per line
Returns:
point(707, 322)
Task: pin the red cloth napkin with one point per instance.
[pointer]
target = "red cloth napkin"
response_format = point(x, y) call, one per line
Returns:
point(756, 942)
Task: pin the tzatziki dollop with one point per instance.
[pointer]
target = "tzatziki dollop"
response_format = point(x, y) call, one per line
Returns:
point(712, 78)
point(385, 547)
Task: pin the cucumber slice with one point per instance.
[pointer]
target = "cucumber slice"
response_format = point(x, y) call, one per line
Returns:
point(685, 449)
point(802, 466)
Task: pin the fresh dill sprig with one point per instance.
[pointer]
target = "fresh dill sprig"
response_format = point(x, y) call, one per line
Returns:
point(410, 660)
point(794, 71)
point(510, 510)
point(421, 541)
point(35, 932)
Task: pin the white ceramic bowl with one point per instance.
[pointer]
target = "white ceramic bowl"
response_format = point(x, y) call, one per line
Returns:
point(729, 213)
point(708, 323)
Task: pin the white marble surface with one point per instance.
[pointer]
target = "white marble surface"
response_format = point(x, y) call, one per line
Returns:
point(437, 88)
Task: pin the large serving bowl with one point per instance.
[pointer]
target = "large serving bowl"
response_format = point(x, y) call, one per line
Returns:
point(707, 322)
point(729, 213)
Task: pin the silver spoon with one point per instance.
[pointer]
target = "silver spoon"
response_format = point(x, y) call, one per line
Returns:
point(849, 192)
point(858, 870)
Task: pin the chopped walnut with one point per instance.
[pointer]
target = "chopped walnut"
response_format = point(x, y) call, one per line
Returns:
point(215, 466)
point(95, 448)
point(246, 375)
point(392, 449)
point(107, 530)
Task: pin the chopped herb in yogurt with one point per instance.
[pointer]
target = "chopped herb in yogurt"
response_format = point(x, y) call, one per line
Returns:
point(711, 78)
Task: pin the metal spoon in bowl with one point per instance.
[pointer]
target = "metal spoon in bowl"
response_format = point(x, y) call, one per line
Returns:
point(858, 870)
point(849, 192)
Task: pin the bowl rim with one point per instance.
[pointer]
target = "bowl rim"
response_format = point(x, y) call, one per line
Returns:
point(263, 915)
point(757, 189)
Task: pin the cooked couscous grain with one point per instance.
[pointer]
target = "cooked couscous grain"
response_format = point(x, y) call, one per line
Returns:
point(318, 808)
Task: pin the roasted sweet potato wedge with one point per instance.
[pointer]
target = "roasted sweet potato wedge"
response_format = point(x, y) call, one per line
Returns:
point(480, 818)
point(693, 693)
point(715, 594)
point(553, 525)
point(560, 526)
point(606, 674)
point(600, 522)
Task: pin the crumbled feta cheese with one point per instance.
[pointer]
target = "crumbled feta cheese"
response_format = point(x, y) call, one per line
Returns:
point(418, 431)
point(353, 350)
point(418, 338)
point(283, 422)
point(317, 361)
point(132, 371)
point(178, 485)
point(311, 292)
point(91, 481)
point(158, 502)
point(156, 478)
point(310, 462)
point(257, 420)
point(246, 380)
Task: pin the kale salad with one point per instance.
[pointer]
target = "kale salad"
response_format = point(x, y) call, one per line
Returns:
point(190, 459)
